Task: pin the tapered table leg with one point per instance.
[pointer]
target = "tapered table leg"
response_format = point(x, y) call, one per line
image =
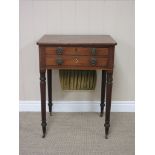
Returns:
point(43, 100)
point(108, 102)
point(103, 92)
point(49, 82)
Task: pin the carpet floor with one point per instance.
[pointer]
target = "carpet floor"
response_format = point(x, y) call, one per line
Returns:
point(76, 134)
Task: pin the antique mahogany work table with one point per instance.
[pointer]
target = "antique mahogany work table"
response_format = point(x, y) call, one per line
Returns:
point(77, 52)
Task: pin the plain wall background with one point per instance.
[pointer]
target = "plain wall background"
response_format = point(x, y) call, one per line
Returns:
point(114, 17)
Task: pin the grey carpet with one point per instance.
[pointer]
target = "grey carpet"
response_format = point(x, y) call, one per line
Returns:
point(76, 134)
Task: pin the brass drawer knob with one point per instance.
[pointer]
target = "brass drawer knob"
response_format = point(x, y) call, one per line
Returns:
point(76, 60)
point(59, 51)
point(93, 61)
point(93, 51)
point(59, 61)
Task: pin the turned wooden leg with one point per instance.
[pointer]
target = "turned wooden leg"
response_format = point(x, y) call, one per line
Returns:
point(108, 102)
point(103, 92)
point(43, 100)
point(49, 83)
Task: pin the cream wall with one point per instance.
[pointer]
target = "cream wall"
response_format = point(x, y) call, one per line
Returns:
point(114, 17)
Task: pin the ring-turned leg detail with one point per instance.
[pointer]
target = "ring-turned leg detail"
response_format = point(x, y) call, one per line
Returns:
point(49, 83)
point(108, 102)
point(43, 100)
point(103, 92)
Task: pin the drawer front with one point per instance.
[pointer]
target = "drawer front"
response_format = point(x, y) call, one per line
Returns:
point(82, 61)
point(77, 51)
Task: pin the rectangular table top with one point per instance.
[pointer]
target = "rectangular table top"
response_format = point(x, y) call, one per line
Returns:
point(77, 40)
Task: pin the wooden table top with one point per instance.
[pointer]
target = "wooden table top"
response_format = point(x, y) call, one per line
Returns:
point(77, 40)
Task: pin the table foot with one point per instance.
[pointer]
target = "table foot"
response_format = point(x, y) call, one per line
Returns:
point(106, 136)
point(107, 126)
point(44, 124)
point(44, 132)
point(101, 114)
point(43, 135)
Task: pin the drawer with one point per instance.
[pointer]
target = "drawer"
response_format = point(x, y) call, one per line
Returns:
point(76, 51)
point(81, 61)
